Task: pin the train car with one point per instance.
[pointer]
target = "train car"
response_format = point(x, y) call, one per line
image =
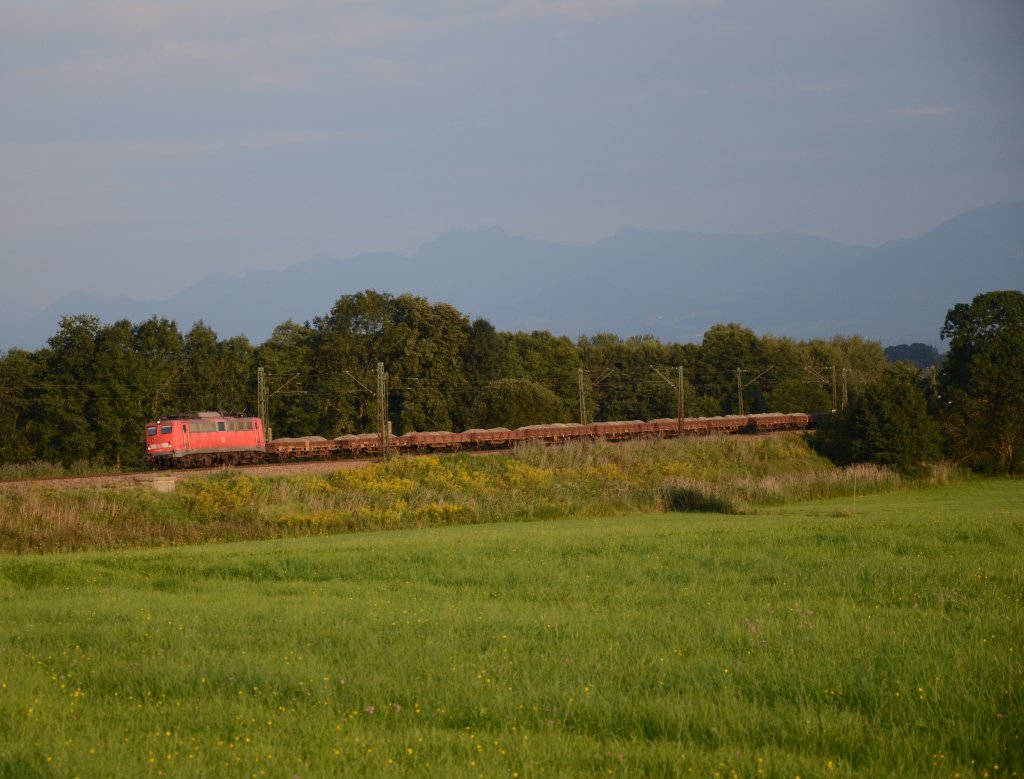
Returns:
point(766, 423)
point(435, 441)
point(204, 438)
point(358, 444)
point(310, 447)
point(491, 438)
point(619, 431)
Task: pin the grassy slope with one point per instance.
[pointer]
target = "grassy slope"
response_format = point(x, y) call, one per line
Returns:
point(535, 483)
point(796, 642)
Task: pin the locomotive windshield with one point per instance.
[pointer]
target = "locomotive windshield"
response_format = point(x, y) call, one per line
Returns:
point(151, 430)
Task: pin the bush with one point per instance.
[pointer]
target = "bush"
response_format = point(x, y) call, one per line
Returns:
point(887, 425)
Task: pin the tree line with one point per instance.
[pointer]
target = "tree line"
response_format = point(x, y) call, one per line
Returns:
point(90, 391)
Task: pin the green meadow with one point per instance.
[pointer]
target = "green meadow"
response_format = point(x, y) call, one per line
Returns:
point(876, 636)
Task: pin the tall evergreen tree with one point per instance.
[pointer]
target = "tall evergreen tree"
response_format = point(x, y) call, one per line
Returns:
point(65, 427)
point(293, 387)
point(20, 377)
point(486, 357)
point(220, 375)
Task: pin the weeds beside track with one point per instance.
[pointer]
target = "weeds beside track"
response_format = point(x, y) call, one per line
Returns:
point(727, 474)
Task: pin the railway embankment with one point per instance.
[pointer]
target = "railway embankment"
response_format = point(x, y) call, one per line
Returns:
point(720, 474)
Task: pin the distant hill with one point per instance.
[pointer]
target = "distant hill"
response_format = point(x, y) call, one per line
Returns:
point(673, 285)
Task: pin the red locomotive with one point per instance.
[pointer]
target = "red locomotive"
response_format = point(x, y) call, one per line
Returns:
point(204, 438)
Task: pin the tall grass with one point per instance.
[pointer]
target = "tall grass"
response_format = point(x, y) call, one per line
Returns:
point(38, 469)
point(816, 645)
point(728, 475)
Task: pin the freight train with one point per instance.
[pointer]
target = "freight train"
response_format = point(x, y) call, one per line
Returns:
point(207, 438)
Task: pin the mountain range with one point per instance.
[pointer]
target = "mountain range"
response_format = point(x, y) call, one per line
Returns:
point(673, 285)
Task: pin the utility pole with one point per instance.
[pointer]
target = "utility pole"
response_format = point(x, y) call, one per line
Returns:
point(583, 400)
point(679, 387)
point(682, 389)
point(740, 386)
point(846, 395)
point(583, 392)
point(822, 380)
point(834, 404)
point(262, 398)
point(382, 411)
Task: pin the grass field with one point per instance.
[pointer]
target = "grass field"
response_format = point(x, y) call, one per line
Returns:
point(806, 640)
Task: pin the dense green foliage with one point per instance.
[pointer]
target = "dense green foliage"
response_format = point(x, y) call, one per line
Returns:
point(734, 474)
point(982, 382)
point(87, 395)
point(886, 424)
point(516, 403)
point(813, 642)
point(920, 355)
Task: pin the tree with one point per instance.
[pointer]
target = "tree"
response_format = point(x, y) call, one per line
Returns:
point(20, 376)
point(161, 348)
point(421, 345)
point(800, 395)
point(725, 349)
point(890, 422)
point(626, 385)
point(287, 357)
point(515, 403)
point(115, 408)
point(549, 360)
point(221, 374)
point(424, 344)
point(922, 355)
point(486, 357)
point(63, 416)
point(862, 359)
point(887, 424)
point(982, 382)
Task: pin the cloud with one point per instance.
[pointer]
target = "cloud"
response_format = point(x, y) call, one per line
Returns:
point(101, 154)
point(583, 10)
point(247, 42)
point(926, 111)
point(351, 22)
point(107, 20)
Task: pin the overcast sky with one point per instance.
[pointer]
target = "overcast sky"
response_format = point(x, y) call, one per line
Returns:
point(145, 144)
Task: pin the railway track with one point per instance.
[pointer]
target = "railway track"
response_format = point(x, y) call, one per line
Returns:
point(165, 480)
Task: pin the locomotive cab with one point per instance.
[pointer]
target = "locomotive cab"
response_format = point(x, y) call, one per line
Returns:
point(162, 440)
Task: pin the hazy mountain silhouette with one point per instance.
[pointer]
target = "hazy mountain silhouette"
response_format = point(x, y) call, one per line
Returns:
point(670, 284)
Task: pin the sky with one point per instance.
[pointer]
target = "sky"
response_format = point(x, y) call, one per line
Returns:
point(146, 144)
